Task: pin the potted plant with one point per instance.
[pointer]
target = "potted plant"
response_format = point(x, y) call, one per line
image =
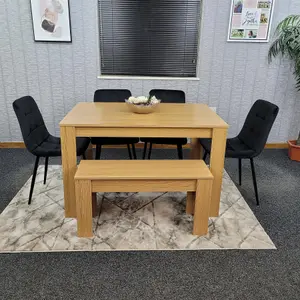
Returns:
point(287, 44)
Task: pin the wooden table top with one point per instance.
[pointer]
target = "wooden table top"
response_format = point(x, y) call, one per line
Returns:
point(167, 115)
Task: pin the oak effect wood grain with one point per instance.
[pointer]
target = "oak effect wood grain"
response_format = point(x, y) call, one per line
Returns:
point(142, 169)
point(143, 176)
point(89, 152)
point(168, 115)
point(196, 149)
point(69, 165)
point(115, 120)
point(217, 157)
point(190, 203)
point(196, 153)
point(202, 207)
point(143, 131)
point(84, 208)
point(144, 185)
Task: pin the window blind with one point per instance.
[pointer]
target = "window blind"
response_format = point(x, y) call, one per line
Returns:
point(149, 37)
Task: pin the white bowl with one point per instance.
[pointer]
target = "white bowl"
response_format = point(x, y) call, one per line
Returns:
point(142, 109)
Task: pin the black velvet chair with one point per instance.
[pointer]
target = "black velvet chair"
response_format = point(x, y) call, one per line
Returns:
point(252, 139)
point(36, 137)
point(113, 96)
point(166, 96)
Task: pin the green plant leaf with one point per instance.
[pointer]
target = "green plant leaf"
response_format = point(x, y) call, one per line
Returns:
point(287, 43)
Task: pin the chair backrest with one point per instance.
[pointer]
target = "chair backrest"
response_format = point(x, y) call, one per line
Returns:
point(31, 122)
point(258, 124)
point(111, 95)
point(169, 96)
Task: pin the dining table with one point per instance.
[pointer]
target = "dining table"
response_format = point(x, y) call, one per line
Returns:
point(188, 120)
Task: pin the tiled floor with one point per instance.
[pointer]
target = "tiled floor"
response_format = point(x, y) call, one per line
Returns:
point(140, 221)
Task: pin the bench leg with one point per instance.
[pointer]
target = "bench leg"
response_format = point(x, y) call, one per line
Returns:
point(84, 208)
point(202, 207)
point(190, 203)
point(196, 153)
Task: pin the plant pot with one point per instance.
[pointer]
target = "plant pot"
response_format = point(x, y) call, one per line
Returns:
point(294, 151)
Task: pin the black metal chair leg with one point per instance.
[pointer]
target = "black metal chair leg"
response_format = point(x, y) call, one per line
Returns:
point(179, 151)
point(240, 171)
point(133, 151)
point(150, 150)
point(33, 178)
point(98, 151)
point(145, 150)
point(254, 180)
point(205, 155)
point(46, 169)
point(129, 152)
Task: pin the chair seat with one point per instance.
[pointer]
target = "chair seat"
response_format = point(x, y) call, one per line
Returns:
point(114, 140)
point(235, 148)
point(165, 141)
point(52, 147)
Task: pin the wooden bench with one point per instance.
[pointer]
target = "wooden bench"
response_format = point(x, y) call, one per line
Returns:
point(191, 176)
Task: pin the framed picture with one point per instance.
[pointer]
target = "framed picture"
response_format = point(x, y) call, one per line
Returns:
point(51, 20)
point(250, 20)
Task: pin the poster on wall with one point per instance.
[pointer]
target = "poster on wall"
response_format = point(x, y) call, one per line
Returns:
point(51, 20)
point(250, 20)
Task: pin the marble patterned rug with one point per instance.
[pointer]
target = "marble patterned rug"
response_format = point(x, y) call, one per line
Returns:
point(126, 221)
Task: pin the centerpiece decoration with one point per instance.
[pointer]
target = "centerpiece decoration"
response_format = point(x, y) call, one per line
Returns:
point(142, 104)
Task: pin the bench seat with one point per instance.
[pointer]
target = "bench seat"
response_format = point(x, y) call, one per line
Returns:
point(192, 176)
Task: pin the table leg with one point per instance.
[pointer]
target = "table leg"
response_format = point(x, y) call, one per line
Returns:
point(197, 149)
point(89, 152)
point(94, 204)
point(202, 204)
point(217, 156)
point(190, 203)
point(69, 166)
point(196, 153)
point(84, 208)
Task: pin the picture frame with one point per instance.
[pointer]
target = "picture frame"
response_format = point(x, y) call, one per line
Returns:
point(51, 20)
point(250, 21)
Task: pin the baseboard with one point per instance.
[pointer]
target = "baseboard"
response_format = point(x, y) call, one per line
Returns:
point(276, 146)
point(141, 145)
point(12, 145)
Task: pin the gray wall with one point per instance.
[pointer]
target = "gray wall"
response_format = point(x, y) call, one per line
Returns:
point(232, 75)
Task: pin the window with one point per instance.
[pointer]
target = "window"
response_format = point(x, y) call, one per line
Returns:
point(149, 37)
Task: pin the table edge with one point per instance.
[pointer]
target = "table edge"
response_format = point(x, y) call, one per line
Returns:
point(62, 124)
